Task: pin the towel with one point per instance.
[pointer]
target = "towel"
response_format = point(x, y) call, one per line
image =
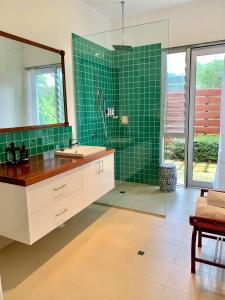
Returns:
point(216, 199)
point(209, 211)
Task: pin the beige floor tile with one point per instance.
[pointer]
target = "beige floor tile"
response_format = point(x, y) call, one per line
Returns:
point(168, 236)
point(213, 296)
point(162, 251)
point(153, 248)
point(114, 280)
point(184, 258)
point(95, 257)
point(181, 279)
point(172, 294)
point(153, 269)
point(217, 284)
point(53, 289)
point(137, 288)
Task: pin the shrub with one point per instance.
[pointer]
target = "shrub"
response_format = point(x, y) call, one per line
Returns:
point(205, 149)
point(176, 149)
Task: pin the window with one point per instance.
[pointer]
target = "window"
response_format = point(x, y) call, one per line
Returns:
point(45, 95)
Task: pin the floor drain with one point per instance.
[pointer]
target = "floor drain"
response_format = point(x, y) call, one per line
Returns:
point(122, 192)
point(141, 253)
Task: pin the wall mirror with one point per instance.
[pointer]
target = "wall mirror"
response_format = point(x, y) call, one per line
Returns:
point(32, 85)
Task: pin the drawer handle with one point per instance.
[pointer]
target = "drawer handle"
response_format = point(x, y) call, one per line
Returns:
point(102, 166)
point(59, 188)
point(98, 167)
point(63, 212)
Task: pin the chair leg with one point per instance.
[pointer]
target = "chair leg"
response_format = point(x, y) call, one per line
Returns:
point(200, 239)
point(193, 250)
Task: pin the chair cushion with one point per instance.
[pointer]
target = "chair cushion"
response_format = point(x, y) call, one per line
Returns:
point(209, 211)
point(216, 199)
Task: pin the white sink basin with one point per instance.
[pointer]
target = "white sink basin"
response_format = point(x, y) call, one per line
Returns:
point(80, 151)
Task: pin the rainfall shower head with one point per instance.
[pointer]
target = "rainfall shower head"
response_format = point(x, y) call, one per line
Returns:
point(122, 47)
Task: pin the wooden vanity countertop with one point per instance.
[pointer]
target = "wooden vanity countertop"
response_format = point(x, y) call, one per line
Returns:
point(38, 168)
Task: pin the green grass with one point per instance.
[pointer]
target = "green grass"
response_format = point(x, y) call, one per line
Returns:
point(207, 138)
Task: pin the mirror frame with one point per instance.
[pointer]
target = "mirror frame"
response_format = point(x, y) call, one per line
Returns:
point(62, 55)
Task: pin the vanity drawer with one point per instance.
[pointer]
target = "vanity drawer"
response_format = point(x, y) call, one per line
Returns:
point(45, 220)
point(49, 191)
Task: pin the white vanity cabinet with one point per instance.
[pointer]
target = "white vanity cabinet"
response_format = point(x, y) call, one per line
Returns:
point(28, 213)
point(98, 179)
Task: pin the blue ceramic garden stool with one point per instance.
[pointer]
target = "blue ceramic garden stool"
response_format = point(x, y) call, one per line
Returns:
point(168, 178)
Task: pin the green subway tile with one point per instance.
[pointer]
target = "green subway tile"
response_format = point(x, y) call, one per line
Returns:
point(32, 134)
point(56, 138)
point(56, 130)
point(18, 135)
point(51, 139)
point(39, 133)
point(50, 131)
point(2, 157)
point(45, 131)
point(33, 143)
point(39, 141)
point(45, 140)
point(25, 135)
point(10, 137)
point(19, 143)
point(33, 151)
point(2, 137)
point(45, 148)
point(39, 149)
point(2, 147)
point(61, 130)
point(56, 146)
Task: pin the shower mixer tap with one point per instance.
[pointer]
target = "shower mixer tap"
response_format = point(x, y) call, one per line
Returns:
point(110, 112)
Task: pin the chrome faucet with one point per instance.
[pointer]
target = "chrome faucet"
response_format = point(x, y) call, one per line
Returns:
point(73, 142)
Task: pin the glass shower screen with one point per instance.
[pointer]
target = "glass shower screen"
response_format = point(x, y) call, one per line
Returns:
point(118, 105)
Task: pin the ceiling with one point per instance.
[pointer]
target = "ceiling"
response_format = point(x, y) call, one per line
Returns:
point(112, 8)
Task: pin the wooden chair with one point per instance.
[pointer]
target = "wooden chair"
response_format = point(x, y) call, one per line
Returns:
point(207, 228)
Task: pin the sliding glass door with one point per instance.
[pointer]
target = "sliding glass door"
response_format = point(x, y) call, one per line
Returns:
point(204, 114)
point(192, 113)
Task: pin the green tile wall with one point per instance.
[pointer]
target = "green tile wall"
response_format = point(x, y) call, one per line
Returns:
point(36, 141)
point(139, 80)
point(131, 84)
point(93, 71)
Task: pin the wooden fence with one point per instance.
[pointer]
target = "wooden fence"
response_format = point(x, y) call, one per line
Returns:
point(207, 112)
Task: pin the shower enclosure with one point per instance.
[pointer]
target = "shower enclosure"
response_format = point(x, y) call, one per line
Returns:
point(118, 92)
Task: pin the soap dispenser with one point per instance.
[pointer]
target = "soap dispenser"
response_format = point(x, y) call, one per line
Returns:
point(23, 153)
point(10, 154)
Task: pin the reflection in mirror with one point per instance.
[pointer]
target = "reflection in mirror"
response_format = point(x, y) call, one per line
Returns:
point(31, 86)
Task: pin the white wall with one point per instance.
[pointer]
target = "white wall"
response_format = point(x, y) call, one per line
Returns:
point(202, 21)
point(51, 22)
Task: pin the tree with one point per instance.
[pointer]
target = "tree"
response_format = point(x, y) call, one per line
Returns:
point(209, 75)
